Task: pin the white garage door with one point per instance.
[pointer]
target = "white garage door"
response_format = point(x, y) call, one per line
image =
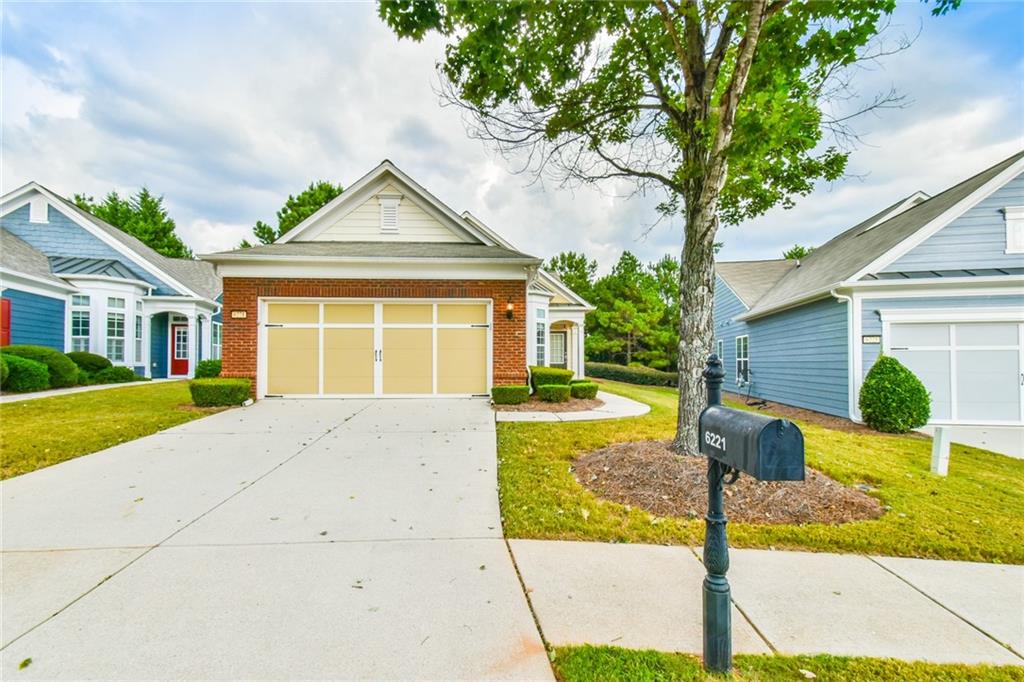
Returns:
point(973, 370)
point(375, 348)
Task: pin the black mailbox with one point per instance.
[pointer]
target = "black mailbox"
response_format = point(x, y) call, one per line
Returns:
point(767, 449)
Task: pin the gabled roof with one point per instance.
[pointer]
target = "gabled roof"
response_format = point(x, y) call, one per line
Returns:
point(750, 280)
point(19, 256)
point(353, 251)
point(869, 246)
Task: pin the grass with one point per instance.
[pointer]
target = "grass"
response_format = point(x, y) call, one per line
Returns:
point(590, 663)
point(37, 433)
point(974, 514)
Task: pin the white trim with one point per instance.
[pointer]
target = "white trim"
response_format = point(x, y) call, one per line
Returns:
point(952, 315)
point(482, 227)
point(37, 210)
point(736, 360)
point(853, 347)
point(946, 217)
point(377, 270)
point(908, 203)
point(34, 285)
point(286, 258)
point(1013, 216)
point(106, 278)
point(733, 291)
point(560, 287)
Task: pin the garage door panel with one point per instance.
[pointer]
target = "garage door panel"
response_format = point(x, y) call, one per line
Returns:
point(408, 313)
point(987, 384)
point(461, 313)
point(986, 334)
point(348, 361)
point(932, 368)
point(348, 313)
point(293, 313)
point(408, 361)
point(293, 361)
point(462, 361)
point(920, 335)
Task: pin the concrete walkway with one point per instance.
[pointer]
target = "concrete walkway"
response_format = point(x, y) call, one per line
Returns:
point(648, 596)
point(615, 407)
point(52, 393)
point(287, 540)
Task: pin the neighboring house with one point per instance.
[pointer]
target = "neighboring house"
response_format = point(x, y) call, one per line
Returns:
point(387, 291)
point(72, 282)
point(937, 282)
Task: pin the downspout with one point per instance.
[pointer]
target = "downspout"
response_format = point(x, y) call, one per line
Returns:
point(851, 394)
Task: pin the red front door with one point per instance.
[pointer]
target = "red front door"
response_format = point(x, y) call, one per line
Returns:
point(179, 349)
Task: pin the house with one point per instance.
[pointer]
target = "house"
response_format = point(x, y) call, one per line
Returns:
point(72, 282)
point(937, 282)
point(386, 291)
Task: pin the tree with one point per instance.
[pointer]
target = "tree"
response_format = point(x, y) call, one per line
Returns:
point(797, 252)
point(719, 104)
point(143, 216)
point(296, 209)
point(575, 271)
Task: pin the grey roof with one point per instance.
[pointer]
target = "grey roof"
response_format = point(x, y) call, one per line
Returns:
point(18, 255)
point(90, 266)
point(197, 275)
point(750, 280)
point(844, 255)
point(381, 250)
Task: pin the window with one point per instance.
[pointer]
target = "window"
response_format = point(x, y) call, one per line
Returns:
point(1014, 216)
point(181, 343)
point(79, 300)
point(742, 359)
point(115, 303)
point(115, 337)
point(138, 339)
point(542, 336)
point(80, 330)
point(720, 350)
point(215, 340)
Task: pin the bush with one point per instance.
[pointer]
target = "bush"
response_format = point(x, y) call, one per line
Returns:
point(63, 372)
point(84, 378)
point(553, 393)
point(549, 376)
point(90, 362)
point(218, 392)
point(24, 375)
point(584, 390)
point(510, 395)
point(892, 399)
point(115, 375)
point(580, 381)
point(3, 371)
point(206, 369)
point(632, 375)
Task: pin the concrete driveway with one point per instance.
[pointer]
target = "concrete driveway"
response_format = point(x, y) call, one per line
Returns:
point(290, 539)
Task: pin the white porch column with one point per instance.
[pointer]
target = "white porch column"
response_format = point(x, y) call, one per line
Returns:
point(580, 358)
point(147, 345)
point(208, 337)
point(192, 344)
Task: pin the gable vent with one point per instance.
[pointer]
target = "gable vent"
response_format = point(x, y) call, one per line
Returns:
point(389, 212)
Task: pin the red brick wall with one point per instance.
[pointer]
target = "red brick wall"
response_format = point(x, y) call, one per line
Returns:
point(238, 350)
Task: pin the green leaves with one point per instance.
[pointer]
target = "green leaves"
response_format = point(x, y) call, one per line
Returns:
point(143, 216)
point(296, 209)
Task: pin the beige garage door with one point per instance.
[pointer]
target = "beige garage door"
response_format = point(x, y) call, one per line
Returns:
point(378, 348)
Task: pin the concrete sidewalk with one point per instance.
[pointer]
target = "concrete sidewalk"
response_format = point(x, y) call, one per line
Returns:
point(615, 407)
point(55, 392)
point(649, 596)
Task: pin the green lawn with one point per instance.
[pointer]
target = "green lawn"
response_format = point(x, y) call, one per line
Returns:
point(37, 433)
point(975, 514)
point(591, 664)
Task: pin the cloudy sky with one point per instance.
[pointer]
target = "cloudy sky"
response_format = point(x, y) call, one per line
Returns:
point(226, 108)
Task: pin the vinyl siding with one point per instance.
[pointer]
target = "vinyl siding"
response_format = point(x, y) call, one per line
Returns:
point(158, 346)
point(61, 236)
point(797, 356)
point(977, 239)
point(36, 320)
point(362, 224)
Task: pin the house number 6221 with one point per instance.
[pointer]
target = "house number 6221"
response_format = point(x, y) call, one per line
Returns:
point(714, 440)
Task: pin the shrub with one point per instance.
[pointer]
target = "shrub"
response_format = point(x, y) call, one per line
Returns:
point(584, 390)
point(510, 395)
point(24, 375)
point(3, 371)
point(90, 362)
point(115, 375)
point(84, 378)
point(632, 375)
point(63, 372)
point(892, 399)
point(206, 369)
point(549, 376)
point(219, 392)
point(580, 381)
point(553, 393)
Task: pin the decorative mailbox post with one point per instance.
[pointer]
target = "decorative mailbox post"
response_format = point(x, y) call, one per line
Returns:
point(735, 442)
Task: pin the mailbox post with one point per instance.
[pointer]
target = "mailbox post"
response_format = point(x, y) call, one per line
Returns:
point(735, 442)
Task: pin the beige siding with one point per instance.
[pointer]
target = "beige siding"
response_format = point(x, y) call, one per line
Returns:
point(362, 224)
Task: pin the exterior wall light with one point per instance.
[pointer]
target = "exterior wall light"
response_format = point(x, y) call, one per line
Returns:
point(510, 308)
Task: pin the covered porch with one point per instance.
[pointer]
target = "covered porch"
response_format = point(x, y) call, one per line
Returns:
point(181, 333)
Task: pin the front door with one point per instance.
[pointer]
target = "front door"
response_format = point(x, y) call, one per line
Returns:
point(179, 349)
point(558, 356)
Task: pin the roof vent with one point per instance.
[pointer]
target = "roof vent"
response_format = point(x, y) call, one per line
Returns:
point(389, 211)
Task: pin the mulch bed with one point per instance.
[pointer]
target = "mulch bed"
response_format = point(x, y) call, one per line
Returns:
point(650, 476)
point(811, 417)
point(535, 405)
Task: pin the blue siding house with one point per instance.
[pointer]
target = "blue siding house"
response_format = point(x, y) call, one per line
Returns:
point(72, 282)
point(937, 282)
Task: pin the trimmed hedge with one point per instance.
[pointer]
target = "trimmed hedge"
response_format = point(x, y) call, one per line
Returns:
point(510, 395)
point(206, 369)
point(892, 399)
point(553, 393)
point(219, 392)
point(549, 376)
point(584, 390)
point(26, 376)
point(644, 376)
point(90, 362)
point(3, 371)
point(63, 372)
point(115, 375)
point(84, 378)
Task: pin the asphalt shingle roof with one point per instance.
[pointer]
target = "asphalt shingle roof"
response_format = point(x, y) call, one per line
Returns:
point(382, 250)
point(750, 280)
point(18, 255)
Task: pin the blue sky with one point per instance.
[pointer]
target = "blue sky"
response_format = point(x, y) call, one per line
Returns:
point(226, 108)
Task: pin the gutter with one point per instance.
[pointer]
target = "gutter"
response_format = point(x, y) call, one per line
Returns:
point(241, 258)
point(851, 349)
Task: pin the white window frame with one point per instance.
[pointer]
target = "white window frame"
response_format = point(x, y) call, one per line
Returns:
point(215, 340)
point(117, 340)
point(81, 304)
point(1014, 216)
point(115, 302)
point(742, 344)
point(389, 218)
point(720, 350)
point(541, 338)
point(138, 338)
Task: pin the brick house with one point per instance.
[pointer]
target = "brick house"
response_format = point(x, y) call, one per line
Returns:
point(385, 291)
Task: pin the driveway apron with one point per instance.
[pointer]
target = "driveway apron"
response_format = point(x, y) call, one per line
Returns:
point(291, 539)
